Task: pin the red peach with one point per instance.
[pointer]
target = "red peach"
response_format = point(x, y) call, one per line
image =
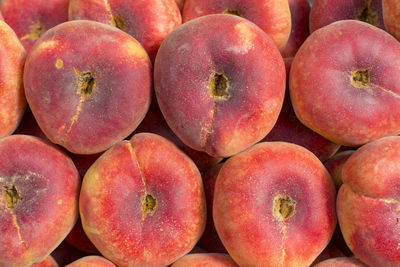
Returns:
point(346, 88)
point(289, 129)
point(225, 90)
point(88, 85)
point(39, 199)
point(91, 261)
point(341, 262)
point(300, 12)
point(12, 99)
point(270, 201)
point(368, 202)
point(325, 12)
point(391, 16)
point(335, 165)
point(272, 16)
point(205, 260)
point(31, 18)
point(166, 215)
point(149, 22)
point(48, 262)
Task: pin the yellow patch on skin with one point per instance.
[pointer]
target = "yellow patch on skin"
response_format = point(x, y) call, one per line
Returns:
point(48, 45)
point(246, 38)
point(35, 31)
point(59, 202)
point(134, 49)
point(59, 63)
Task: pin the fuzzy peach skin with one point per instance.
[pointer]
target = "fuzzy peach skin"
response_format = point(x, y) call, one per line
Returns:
point(31, 18)
point(325, 12)
point(89, 85)
point(289, 129)
point(391, 16)
point(271, 200)
point(149, 22)
point(225, 90)
point(12, 99)
point(272, 16)
point(48, 262)
point(39, 199)
point(368, 202)
point(154, 122)
point(166, 214)
point(341, 262)
point(335, 165)
point(205, 260)
point(210, 240)
point(91, 261)
point(346, 87)
point(300, 12)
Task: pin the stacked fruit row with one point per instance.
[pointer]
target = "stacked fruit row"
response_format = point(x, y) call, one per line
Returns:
point(138, 130)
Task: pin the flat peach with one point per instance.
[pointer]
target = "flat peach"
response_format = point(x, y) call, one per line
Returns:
point(205, 260)
point(91, 261)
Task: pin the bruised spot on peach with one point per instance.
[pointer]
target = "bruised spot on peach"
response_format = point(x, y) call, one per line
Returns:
point(360, 78)
point(284, 207)
point(246, 35)
point(35, 31)
point(59, 63)
point(219, 86)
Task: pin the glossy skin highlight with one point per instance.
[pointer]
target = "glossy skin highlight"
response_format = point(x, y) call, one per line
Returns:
point(368, 203)
point(347, 89)
point(255, 225)
point(149, 22)
point(272, 16)
point(225, 90)
point(31, 18)
point(105, 92)
point(155, 234)
point(38, 201)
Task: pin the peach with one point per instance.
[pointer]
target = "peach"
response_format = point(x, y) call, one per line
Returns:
point(325, 12)
point(78, 239)
point(391, 16)
point(205, 260)
point(149, 22)
point(272, 16)
point(88, 85)
point(368, 202)
point(270, 201)
point(346, 88)
point(335, 165)
point(210, 240)
point(300, 12)
point(341, 262)
point(91, 261)
point(39, 199)
point(225, 90)
point(31, 18)
point(48, 262)
point(289, 129)
point(154, 122)
point(12, 99)
point(166, 214)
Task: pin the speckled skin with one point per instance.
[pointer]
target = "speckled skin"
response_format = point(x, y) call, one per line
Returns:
point(91, 261)
point(48, 262)
point(243, 208)
point(368, 202)
point(299, 12)
point(48, 183)
point(147, 164)
point(335, 165)
point(341, 262)
point(325, 12)
point(24, 15)
point(391, 16)
point(154, 122)
point(272, 16)
point(149, 22)
point(322, 90)
point(205, 260)
point(121, 93)
point(256, 77)
point(12, 99)
point(210, 240)
point(289, 129)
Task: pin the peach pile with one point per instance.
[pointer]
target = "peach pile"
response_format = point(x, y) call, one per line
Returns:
point(199, 133)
